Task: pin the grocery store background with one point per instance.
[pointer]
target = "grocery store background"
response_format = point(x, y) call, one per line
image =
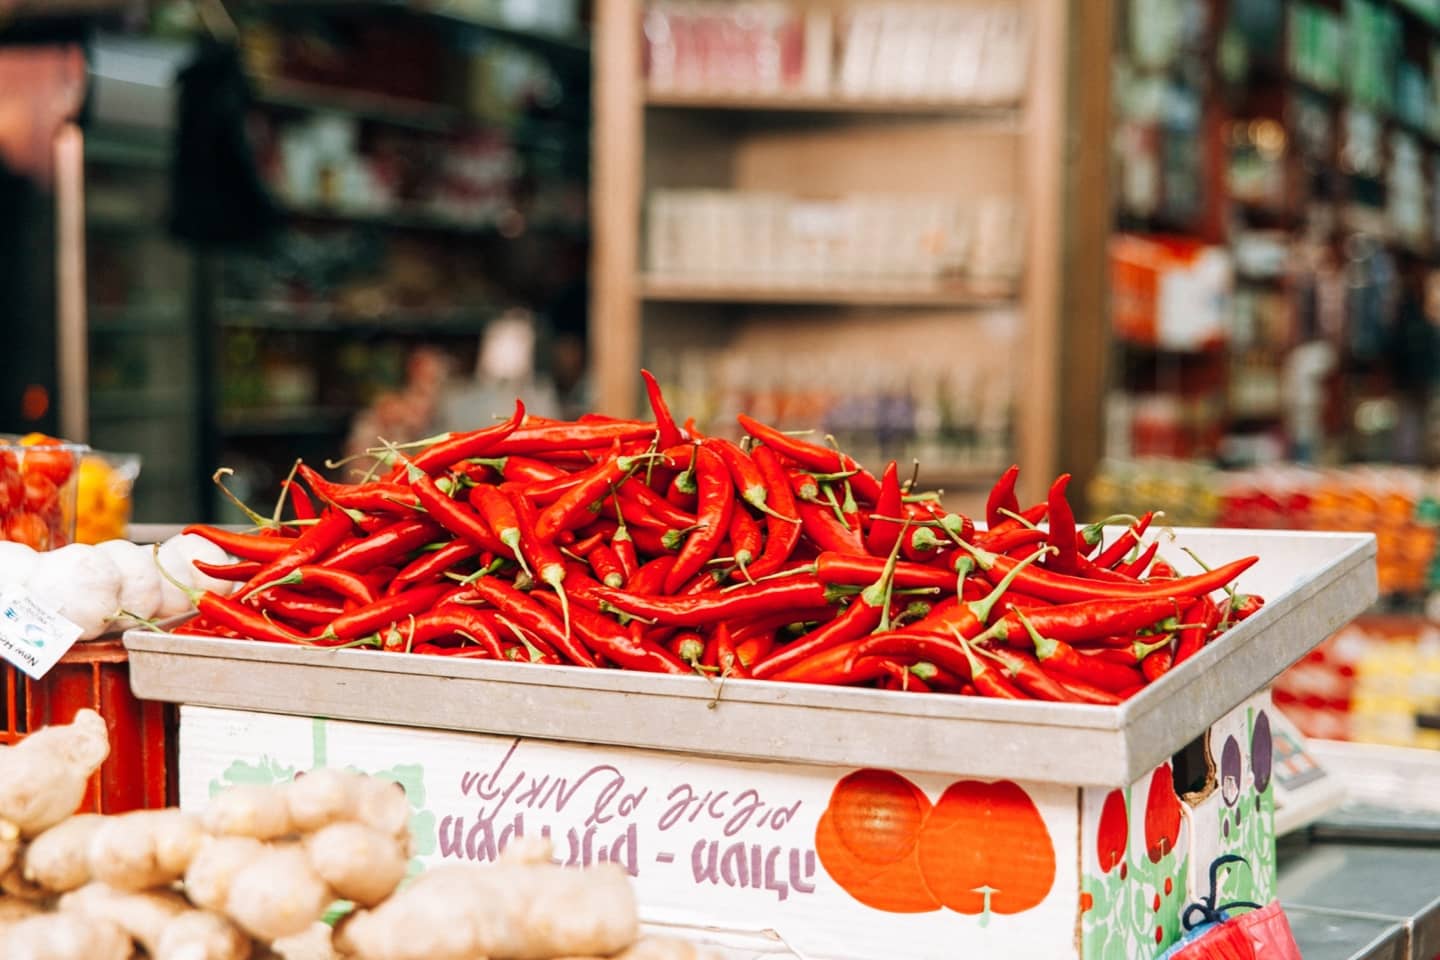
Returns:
point(1183, 249)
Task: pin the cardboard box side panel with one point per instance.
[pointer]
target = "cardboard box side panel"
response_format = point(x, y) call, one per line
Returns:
point(842, 864)
point(1146, 853)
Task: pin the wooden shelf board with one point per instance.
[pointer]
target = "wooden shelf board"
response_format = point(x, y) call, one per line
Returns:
point(1002, 113)
point(919, 295)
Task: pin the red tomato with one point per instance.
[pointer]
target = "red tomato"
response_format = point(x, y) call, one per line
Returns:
point(11, 487)
point(985, 849)
point(41, 495)
point(1113, 835)
point(56, 464)
point(29, 529)
point(1162, 815)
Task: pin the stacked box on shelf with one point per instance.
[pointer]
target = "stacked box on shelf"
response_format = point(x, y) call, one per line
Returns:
point(834, 818)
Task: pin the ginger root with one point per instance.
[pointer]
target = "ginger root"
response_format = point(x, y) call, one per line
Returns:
point(201, 935)
point(58, 936)
point(326, 796)
point(277, 894)
point(43, 777)
point(143, 849)
point(59, 859)
point(511, 911)
point(250, 811)
point(358, 862)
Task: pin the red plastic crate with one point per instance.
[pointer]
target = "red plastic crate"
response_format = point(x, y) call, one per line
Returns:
point(140, 771)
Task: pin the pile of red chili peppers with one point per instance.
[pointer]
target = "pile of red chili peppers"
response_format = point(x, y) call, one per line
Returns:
point(643, 545)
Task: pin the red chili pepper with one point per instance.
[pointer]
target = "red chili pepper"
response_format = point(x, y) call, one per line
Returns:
point(300, 503)
point(1059, 588)
point(881, 536)
point(232, 572)
point(342, 583)
point(655, 506)
point(1128, 540)
point(309, 547)
point(607, 567)
point(1245, 605)
point(245, 621)
point(782, 522)
point(1157, 664)
point(394, 541)
point(1089, 693)
point(1204, 614)
point(1089, 619)
point(465, 446)
point(815, 457)
point(798, 595)
point(717, 501)
point(745, 539)
point(1030, 516)
point(571, 508)
point(1062, 528)
point(1059, 657)
point(987, 679)
point(835, 666)
point(373, 497)
point(246, 546)
point(1136, 568)
point(376, 616)
point(625, 649)
point(1162, 570)
point(429, 566)
point(846, 570)
point(748, 479)
point(301, 610)
point(670, 433)
point(624, 547)
point(825, 530)
point(455, 620)
point(560, 439)
point(528, 471)
point(1002, 497)
point(531, 613)
point(546, 561)
point(1023, 671)
point(498, 513)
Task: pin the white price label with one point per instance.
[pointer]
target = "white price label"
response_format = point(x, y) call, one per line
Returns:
point(32, 637)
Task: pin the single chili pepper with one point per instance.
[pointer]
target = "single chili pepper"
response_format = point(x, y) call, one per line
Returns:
point(633, 513)
point(752, 649)
point(937, 678)
point(597, 534)
point(1131, 655)
point(799, 595)
point(342, 583)
point(1128, 540)
point(1204, 613)
point(1157, 664)
point(300, 609)
point(665, 426)
point(1089, 693)
point(465, 446)
point(1023, 671)
point(782, 523)
point(745, 539)
point(838, 569)
point(717, 502)
point(1062, 527)
point(1002, 497)
point(309, 547)
point(1136, 568)
point(689, 646)
point(497, 512)
point(396, 540)
point(607, 567)
point(232, 572)
point(531, 613)
point(649, 578)
point(826, 531)
point(921, 545)
point(703, 581)
point(478, 652)
point(835, 666)
point(1030, 517)
point(1162, 570)
point(546, 561)
point(805, 487)
point(1245, 605)
point(1089, 538)
point(1059, 657)
point(591, 486)
point(884, 527)
point(1059, 588)
point(559, 441)
point(374, 497)
point(1089, 619)
point(455, 620)
point(527, 471)
point(624, 546)
point(901, 677)
point(815, 457)
point(429, 566)
point(300, 503)
point(376, 616)
point(651, 542)
point(654, 505)
point(263, 547)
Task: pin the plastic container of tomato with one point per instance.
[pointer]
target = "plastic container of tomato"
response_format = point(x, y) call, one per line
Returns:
point(39, 480)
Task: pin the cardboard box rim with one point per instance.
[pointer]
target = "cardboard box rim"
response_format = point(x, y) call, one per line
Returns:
point(1044, 742)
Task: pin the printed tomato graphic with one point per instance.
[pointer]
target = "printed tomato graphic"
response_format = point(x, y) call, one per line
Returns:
point(1114, 833)
point(1162, 815)
point(985, 849)
point(867, 837)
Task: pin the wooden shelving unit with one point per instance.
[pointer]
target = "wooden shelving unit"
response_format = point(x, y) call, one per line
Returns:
point(811, 145)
